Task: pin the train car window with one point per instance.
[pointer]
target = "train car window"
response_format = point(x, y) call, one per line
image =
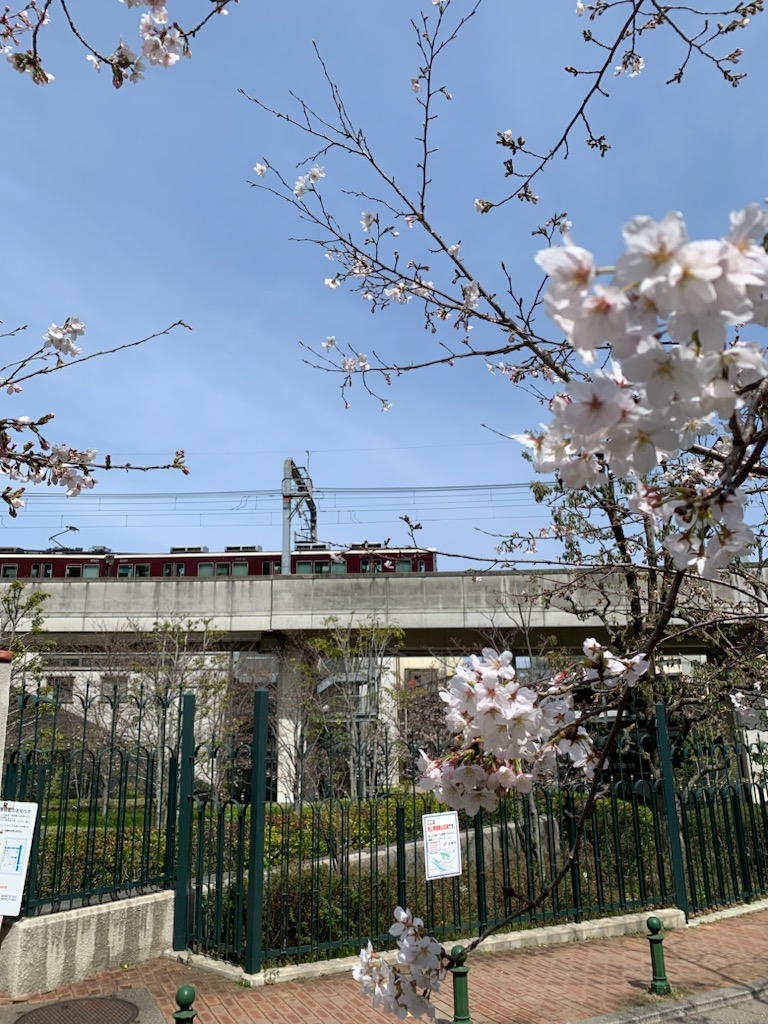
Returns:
point(338, 568)
point(223, 569)
point(277, 568)
point(239, 568)
point(422, 565)
point(266, 568)
point(403, 565)
point(141, 569)
point(124, 570)
point(173, 568)
point(91, 572)
point(377, 565)
point(73, 572)
point(34, 571)
point(9, 571)
point(365, 565)
point(47, 570)
point(322, 568)
point(304, 568)
point(205, 569)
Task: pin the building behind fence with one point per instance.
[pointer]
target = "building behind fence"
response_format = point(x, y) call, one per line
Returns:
point(265, 884)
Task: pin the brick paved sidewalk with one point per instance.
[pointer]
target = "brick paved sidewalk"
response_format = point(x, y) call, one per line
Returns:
point(546, 985)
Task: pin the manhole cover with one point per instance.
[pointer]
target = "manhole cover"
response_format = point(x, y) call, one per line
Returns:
point(95, 1010)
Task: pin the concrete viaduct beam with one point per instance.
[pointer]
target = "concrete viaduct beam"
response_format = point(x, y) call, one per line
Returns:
point(437, 611)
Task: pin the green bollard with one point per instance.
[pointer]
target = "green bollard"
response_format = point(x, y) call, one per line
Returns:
point(659, 985)
point(185, 997)
point(460, 986)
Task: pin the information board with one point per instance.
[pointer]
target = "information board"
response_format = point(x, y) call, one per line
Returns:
point(17, 828)
point(442, 848)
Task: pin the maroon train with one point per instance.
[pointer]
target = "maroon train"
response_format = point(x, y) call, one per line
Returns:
point(307, 560)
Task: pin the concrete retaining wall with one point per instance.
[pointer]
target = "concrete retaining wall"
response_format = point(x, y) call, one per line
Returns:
point(38, 954)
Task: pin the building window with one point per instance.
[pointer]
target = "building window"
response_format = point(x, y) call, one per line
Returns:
point(114, 686)
point(91, 572)
point(403, 565)
point(205, 569)
point(73, 572)
point(223, 569)
point(142, 569)
point(304, 568)
point(239, 568)
point(63, 688)
point(124, 570)
point(9, 571)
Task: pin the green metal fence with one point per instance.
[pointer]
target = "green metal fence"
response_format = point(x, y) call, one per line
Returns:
point(263, 884)
point(103, 767)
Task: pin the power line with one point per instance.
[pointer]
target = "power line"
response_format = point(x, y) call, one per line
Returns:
point(348, 511)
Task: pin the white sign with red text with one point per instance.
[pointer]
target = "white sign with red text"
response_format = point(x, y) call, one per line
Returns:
point(442, 846)
point(17, 829)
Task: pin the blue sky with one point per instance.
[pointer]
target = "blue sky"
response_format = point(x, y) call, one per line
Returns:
point(132, 209)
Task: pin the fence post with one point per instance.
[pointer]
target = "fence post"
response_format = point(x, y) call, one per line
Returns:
point(570, 826)
point(482, 899)
point(741, 845)
point(186, 789)
point(171, 815)
point(669, 800)
point(254, 930)
point(34, 856)
point(402, 897)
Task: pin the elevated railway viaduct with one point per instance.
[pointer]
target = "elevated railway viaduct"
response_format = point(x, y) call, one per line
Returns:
point(438, 612)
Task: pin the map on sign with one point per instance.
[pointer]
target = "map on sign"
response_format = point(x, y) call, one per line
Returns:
point(17, 830)
point(442, 849)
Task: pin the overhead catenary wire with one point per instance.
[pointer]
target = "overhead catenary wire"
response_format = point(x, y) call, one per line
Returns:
point(340, 506)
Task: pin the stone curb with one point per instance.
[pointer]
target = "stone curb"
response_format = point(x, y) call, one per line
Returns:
point(678, 1009)
point(552, 935)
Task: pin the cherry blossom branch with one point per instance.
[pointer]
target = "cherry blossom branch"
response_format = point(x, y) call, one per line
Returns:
point(14, 377)
point(162, 43)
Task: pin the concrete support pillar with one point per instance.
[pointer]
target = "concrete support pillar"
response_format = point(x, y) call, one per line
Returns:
point(387, 708)
point(290, 727)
